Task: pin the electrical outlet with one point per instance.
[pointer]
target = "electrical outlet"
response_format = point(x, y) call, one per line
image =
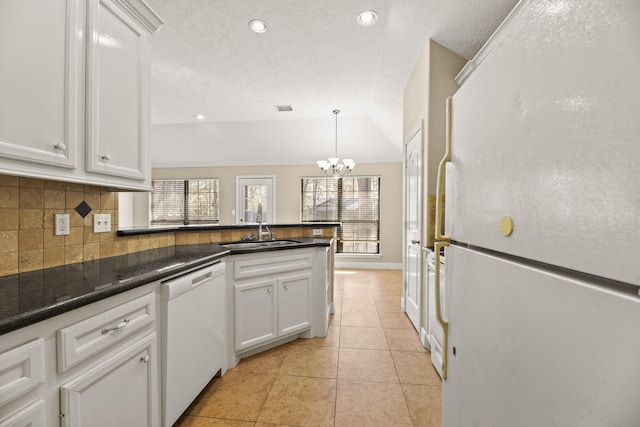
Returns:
point(62, 227)
point(317, 231)
point(101, 223)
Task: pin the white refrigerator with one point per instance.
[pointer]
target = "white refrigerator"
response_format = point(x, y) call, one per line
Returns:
point(542, 222)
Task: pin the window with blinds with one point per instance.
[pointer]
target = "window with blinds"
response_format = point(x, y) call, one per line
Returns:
point(354, 201)
point(185, 201)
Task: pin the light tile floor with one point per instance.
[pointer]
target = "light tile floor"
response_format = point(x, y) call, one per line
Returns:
point(370, 370)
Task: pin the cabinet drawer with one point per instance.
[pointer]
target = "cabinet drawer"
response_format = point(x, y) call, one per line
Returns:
point(32, 416)
point(88, 337)
point(245, 269)
point(21, 370)
point(120, 391)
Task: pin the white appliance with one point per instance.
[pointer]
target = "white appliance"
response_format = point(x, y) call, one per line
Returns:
point(543, 222)
point(435, 333)
point(193, 344)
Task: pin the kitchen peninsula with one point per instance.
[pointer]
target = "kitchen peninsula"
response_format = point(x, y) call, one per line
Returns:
point(98, 327)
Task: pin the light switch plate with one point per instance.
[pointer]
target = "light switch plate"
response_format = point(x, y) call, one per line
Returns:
point(101, 223)
point(317, 231)
point(62, 227)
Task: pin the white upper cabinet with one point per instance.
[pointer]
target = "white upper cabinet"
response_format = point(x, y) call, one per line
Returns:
point(74, 104)
point(117, 74)
point(40, 75)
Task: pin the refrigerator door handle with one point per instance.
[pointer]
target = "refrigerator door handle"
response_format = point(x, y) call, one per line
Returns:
point(445, 325)
point(439, 226)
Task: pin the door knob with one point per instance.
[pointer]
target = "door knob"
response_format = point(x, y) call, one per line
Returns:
point(415, 242)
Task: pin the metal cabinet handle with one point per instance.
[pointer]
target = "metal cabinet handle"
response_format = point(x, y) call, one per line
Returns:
point(106, 157)
point(439, 226)
point(120, 325)
point(269, 290)
point(60, 146)
point(145, 359)
point(286, 286)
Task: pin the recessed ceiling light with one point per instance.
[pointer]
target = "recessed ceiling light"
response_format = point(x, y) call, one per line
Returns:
point(367, 18)
point(258, 26)
point(199, 117)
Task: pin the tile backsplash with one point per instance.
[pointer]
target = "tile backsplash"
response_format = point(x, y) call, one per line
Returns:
point(27, 218)
point(27, 210)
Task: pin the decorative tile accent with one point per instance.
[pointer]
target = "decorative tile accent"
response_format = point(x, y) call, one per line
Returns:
point(83, 209)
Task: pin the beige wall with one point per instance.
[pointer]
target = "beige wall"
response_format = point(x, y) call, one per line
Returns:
point(430, 83)
point(288, 197)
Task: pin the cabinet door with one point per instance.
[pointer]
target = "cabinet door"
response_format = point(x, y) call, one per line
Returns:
point(294, 303)
point(117, 74)
point(255, 313)
point(121, 391)
point(41, 51)
point(29, 416)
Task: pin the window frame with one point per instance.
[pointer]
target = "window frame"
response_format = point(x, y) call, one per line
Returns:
point(187, 206)
point(340, 215)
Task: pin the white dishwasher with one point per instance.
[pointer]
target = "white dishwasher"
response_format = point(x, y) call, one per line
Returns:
point(193, 342)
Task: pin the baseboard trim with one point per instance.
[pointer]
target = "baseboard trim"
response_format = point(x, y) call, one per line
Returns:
point(424, 339)
point(369, 265)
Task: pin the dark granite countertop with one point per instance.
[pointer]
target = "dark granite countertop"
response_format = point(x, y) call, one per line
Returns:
point(27, 298)
point(134, 231)
point(31, 297)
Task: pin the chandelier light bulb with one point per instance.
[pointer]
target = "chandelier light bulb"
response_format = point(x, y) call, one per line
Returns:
point(333, 166)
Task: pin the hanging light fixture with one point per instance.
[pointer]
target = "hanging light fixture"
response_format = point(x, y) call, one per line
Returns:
point(333, 166)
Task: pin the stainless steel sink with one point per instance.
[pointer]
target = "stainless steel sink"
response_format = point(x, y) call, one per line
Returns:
point(258, 245)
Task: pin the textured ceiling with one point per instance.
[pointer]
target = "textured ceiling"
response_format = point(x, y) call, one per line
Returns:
point(313, 57)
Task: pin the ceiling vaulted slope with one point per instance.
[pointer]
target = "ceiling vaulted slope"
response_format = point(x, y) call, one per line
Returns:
point(314, 57)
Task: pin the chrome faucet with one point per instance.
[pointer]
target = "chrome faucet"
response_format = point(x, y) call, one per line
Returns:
point(259, 221)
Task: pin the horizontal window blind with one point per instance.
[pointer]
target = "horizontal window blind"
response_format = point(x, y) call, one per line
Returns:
point(185, 201)
point(354, 201)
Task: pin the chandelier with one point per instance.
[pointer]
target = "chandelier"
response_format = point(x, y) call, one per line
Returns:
point(333, 166)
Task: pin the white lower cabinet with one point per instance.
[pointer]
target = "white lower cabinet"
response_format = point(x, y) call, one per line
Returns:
point(272, 308)
point(255, 313)
point(294, 303)
point(275, 297)
point(120, 391)
point(21, 370)
point(29, 416)
point(97, 365)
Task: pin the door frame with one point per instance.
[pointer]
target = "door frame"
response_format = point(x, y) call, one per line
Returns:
point(417, 129)
point(269, 180)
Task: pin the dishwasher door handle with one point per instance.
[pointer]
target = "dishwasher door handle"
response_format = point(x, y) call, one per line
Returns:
point(196, 281)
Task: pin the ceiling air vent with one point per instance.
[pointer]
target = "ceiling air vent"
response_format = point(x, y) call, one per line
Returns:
point(282, 108)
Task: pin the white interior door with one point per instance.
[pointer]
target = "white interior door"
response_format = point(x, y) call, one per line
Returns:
point(413, 227)
point(252, 191)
